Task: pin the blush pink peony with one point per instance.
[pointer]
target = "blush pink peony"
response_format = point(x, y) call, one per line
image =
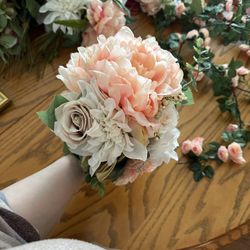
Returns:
point(136, 73)
point(105, 17)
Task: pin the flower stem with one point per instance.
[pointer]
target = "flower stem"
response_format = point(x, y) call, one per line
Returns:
point(237, 107)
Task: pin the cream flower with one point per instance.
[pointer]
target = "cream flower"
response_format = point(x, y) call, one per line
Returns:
point(62, 10)
point(162, 148)
point(73, 120)
point(108, 138)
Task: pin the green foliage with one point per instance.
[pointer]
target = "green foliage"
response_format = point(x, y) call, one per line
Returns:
point(189, 95)
point(33, 7)
point(76, 24)
point(94, 182)
point(48, 116)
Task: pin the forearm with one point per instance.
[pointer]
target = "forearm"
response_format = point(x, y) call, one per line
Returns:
point(42, 197)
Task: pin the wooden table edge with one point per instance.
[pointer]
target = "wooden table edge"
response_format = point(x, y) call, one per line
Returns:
point(223, 240)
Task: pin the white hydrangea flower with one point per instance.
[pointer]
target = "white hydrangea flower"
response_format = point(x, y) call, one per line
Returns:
point(62, 10)
point(108, 138)
point(162, 149)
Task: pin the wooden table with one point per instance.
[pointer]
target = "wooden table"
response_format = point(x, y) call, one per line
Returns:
point(162, 210)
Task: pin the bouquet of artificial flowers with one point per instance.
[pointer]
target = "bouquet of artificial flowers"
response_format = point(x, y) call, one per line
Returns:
point(118, 115)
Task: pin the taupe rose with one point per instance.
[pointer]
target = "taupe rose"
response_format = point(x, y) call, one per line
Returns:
point(73, 121)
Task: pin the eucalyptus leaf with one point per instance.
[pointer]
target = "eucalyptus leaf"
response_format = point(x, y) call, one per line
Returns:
point(8, 41)
point(3, 22)
point(48, 116)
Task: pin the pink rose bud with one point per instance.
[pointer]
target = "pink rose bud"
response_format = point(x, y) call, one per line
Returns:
point(197, 75)
point(242, 71)
point(191, 34)
point(205, 32)
point(235, 81)
point(232, 127)
point(244, 19)
point(186, 147)
point(207, 41)
point(244, 47)
point(223, 154)
point(228, 15)
point(197, 145)
point(235, 153)
point(180, 9)
point(229, 5)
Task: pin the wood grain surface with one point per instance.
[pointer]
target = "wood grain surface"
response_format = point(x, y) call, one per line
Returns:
point(162, 210)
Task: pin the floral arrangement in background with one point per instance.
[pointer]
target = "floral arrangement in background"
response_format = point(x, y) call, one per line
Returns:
point(58, 23)
point(227, 19)
point(118, 115)
point(227, 80)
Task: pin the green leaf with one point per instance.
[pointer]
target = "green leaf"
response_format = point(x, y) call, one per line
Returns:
point(214, 145)
point(195, 167)
point(8, 41)
point(101, 189)
point(189, 101)
point(66, 150)
point(77, 24)
point(48, 116)
point(33, 7)
point(198, 175)
point(3, 22)
point(208, 171)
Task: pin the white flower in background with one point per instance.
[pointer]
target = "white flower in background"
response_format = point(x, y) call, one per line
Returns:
point(62, 10)
point(162, 149)
point(108, 138)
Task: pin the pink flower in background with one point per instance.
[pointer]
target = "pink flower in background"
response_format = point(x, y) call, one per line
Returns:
point(232, 127)
point(89, 37)
point(223, 154)
point(244, 47)
point(192, 34)
point(235, 81)
point(248, 53)
point(242, 71)
point(244, 19)
point(205, 32)
point(197, 75)
point(151, 7)
point(248, 11)
point(105, 17)
point(228, 15)
point(229, 5)
point(199, 22)
point(180, 9)
point(197, 145)
point(235, 153)
point(186, 147)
